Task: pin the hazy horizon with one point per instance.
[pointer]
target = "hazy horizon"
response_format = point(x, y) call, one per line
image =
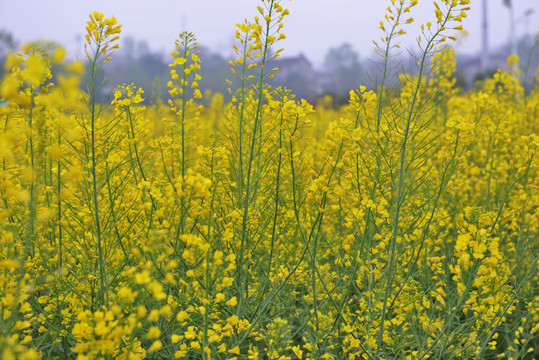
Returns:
point(312, 27)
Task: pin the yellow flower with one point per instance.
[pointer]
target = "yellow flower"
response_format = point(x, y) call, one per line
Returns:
point(227, 282)
point(182, 316)
point(58, 55)
point(179, 354)
point(156, 345)
point(154, 315)
point(176, 338)
point(153, 333)
point(141, 311)
point(37, 70)
point(9, 87)
point(297, 351)
point(513, 60)
point(235, 350)
point(232, 301)
point(126, 294)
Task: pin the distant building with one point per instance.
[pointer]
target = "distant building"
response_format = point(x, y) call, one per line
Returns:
point(297, 74)
point(470, 66)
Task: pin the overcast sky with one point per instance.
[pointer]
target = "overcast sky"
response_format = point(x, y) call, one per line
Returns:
point(312, 27)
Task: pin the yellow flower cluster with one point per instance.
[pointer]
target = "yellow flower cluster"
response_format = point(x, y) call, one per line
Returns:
point(186, 59)
point(255, 40)
point(101, 33)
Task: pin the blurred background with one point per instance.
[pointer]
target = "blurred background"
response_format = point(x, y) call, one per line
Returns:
point(328, 49)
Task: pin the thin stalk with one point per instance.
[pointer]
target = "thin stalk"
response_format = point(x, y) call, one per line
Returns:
point(132, 136)
point(530, 273)
point(400, 190)
point(207, 280)
point(241, 119)
point(206, 306)
point(249, 168)
point(4, 168)
point(384, 74)
point(103, 296)
point(182, 124)
point(31, 202)
point(59, 205)
point(500, 208)
point(276, 209)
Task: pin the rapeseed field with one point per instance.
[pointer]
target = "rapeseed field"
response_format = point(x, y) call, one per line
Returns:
point(404, 225)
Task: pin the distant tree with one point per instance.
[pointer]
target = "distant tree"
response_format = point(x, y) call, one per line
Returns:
point(343, 69)
point(133, 48)
point(7, 44)
point(296, 73)
point(135, 63)
point(300, 86)
point(214, 71)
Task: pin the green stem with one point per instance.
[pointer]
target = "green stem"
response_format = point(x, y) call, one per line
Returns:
point(258, 115)
point(31, 203)
point(400, 190)
point(93, 113)
point(59, 205)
